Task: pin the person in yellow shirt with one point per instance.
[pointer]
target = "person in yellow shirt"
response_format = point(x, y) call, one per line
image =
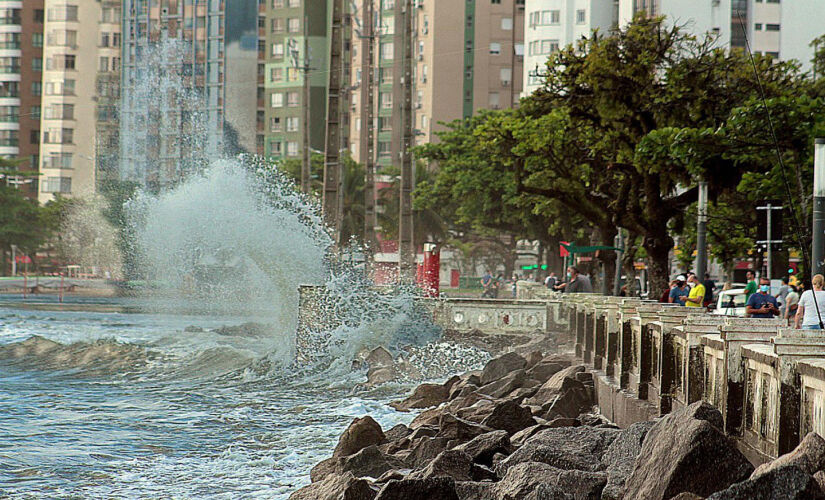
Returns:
point(697, 293)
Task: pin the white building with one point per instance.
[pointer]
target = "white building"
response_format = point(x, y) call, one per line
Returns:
point(783, 29)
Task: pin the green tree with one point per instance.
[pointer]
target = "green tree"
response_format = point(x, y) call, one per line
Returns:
point(23, 223)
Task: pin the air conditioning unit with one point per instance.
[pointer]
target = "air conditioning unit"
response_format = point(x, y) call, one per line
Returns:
point(505, 83)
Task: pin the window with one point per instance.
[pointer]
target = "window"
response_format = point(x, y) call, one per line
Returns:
point(34, 112)
point(9, 114)
point(277, 25)
point(58, 160)
point(275, 124)
point(37, 64)
point(38, 16)
point(581, 16)
point(37, 39)
point(37, 88)
point(387, 51)
point(424, 74)
point(495, 48)
point(60, 112)
point(384, 149)
point(771, 27)
point(277, 51)
point(104, 39)
point(277, 100)
point(10, 16)
point(65, 38)
point(757, 27)
point(63, 13)
point(292, 99)
point(519, 49)
point(276, 148)
point(294, 3)
point(387, 4)
point(294, 25)
point(292, 124)
point(494, 100)
point(506, 76)
point(277, 4)
point(34, 137)
point(56, 185)
point(385, 76)
point(12, 89)
point(292, 148)
point(276, 74)
point(62, 61)
point(10, 40)
point(386, 100)
point(8, 137)
point(507, 23)
point(9, 65)
point(103, 66)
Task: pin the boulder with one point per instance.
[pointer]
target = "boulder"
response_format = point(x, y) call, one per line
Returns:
point(573, 400)
point(362, 432)
point(452, 463)
point(620, 456)
point(427, 417)
point(686, 451)
point(788, 482)
point(508, 383)
point(424, 431)
point(441, 488)
point(819, 477)
point(475, 490)
point(809, 456)
point(424, 450)
point(477, 412)
point(482, 448)
point(509, 416)
point(552, 388)
point(543, 371)
point(548, 492)
point(452, 427)
point(685, 495)
point(568, 448)
point(400, 431)
point(424, 396)
point(526, 478)
point(499, 367)
point(323, 469)
point(379, 357)
point(381, 375)
point(522, 436)
point(393, 474)
point(533, 358)
point(370, 462)
point(336, 487)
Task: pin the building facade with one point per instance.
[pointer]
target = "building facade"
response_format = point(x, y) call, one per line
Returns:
point(21, 60)
point(188, 85)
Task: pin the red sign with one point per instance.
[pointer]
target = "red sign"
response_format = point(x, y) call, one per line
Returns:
point(563, 251)
point(23, 259)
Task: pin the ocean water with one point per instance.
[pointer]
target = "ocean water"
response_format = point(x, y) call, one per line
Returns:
point(133, 404)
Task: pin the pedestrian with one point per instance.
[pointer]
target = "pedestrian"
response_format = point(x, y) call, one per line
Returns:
point(791, 303)
point(782, 295)
point(578, 282)
point(751, 287)
point(697, 293)
point(710, 286)
point(810, 302)
point(665, 298)
point(680, 290)
point(498, 284)
point(762, 304)
point(487, 284)
point(514, 285)
point(551, 281)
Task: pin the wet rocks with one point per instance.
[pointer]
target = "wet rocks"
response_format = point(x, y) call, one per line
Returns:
point(441, 488)
point(482, 448)
point(424, 396)
point(788, 482)
point(362, 432)
point(686, 451)
point(500, 367)
point(509, 416)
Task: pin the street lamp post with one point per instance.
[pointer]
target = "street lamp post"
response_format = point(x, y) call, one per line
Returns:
point(818, 247)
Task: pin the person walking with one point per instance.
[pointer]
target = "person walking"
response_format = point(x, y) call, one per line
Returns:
point(487, 284)
point(806, 313)
point(791, 303)
point(751, 287)
point(710, 286)
point(762, 304)
point(696, 297)
point(551, 281)
point(578, 283)
point(782, 295)
point(679, 291)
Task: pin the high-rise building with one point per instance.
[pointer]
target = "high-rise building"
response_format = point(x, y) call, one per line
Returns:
point(293, 46)
point(21, 60)
point(81, 53)
point(468, 56)
point(188, 85)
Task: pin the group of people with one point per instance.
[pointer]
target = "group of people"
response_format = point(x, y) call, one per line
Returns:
point(805, 310)
point(689, 291)
point(493, 285)
point(575, 282)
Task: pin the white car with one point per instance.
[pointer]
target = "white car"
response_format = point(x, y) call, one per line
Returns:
point(731, 303)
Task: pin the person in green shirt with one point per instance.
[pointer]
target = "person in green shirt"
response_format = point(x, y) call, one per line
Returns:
point(697, 293)
point(751, 287)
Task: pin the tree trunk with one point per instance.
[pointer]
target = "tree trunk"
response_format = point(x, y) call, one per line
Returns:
point(658, 252)
point(510, 256)
point(608, 258)
point(5, 262)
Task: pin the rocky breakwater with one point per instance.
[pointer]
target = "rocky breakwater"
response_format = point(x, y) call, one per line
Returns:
point(525, 428)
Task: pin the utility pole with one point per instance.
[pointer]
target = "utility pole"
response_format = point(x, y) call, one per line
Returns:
point(332, 154)
point(818, 250)
point(619, 243)
point(702, 232)
point(406, 245)
point(303, 66)
point(367, 119)
point(769, 241)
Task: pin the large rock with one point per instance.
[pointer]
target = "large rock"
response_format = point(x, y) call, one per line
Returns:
point(482, 448)
point(525, 478)
point(370, 462)
point(552, 388)
point(380, 357)
point(686, 451)
point(786, 482)
point(809, 456)
point(499, 367)
point(381, 375)
point(509, 416)
point(543, 371)
point(362, 432)
point(475, 490)
point(508, 383)
point(573, 400)
point(579, 448)
point(441, 488)
point(400, 431)
point(424, 396)
point(452, 427)
point(425, 449)
point(451, 463)
point(336, 487)
point(620, 457)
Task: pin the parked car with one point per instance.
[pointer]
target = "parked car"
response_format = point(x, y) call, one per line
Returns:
point(731, 303)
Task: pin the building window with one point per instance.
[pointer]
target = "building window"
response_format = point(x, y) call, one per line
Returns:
point(294, 25)
point(11, 41)
point(494, 100)
point(276, 75)
point(292, 99)
point(277, 51)
point(275, 124)
point(37, 88)
point(387, 51)
point(10, 16)
point(63, 13)
point(62, 61)
point(277, 100)
point(34, 137)
point(495, 48)
point(386, 100)
point(277, 25)
point(56, 185)
point(9, 114)
point(387, 4)
point(276, 148)
point(9, 65)
point(292, 148)
point(12, 89)
point(38, 16)
point(294, 3)
point(103, 67)
point(506, 76)
point(506, 23)
point(8, 138)
point(277, 4)
point(771, 27)
point(58, 160)
point(384, 149)
point(34, 112)
point(37, 39)
point(292, 124)
point(581, 16)
point(37, 64)
point(385, 76)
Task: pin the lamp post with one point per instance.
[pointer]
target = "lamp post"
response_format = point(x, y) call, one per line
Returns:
point(818, 247)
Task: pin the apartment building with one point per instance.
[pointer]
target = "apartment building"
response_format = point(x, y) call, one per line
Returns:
point(21, 60)
point(294, 43)
point(202, 57)
point(554, 24)
point(468, 56)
